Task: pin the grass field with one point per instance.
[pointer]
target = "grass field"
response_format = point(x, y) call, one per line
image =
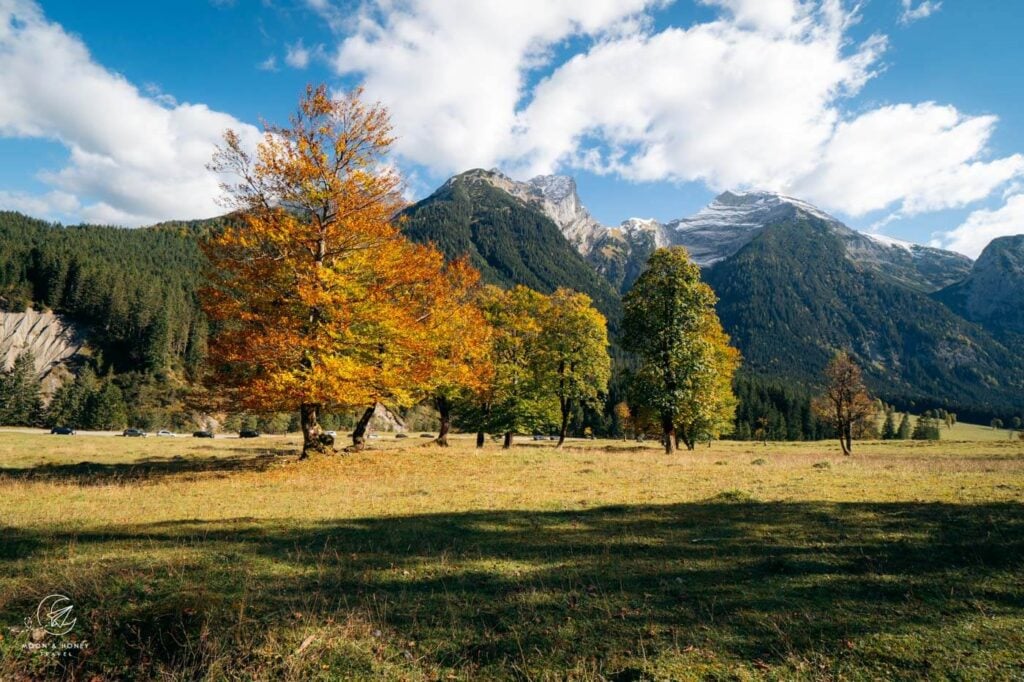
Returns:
point(228, 559)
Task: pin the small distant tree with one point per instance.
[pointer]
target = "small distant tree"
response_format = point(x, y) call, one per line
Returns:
point(623, 416)
point(904, 432)
point(950, 420)
point(845, 402)
point(889, 428)
point(686, 364)
point(926, 428)
point(996, 424)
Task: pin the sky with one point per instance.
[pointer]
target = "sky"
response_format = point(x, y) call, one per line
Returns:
point(902, 117)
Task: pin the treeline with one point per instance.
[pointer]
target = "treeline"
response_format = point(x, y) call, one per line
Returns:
point(770, 410)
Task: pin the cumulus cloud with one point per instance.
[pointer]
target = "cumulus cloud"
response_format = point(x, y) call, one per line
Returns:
point(453, 73)
point(134, 158)
point(922, 10)
point(922, 158)
point(755, 98)
point(984, 225)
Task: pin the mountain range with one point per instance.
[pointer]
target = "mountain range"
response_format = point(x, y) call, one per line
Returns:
point(795, 284)
point(930, 327)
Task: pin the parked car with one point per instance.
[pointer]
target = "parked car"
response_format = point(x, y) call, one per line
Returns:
point(248, 433)
point(134, 433)
point(62, 431)
point(166, 433)
point(202, 434)
point(401, 435)
point(332, 434)
point(426, 435)
point(539, 436)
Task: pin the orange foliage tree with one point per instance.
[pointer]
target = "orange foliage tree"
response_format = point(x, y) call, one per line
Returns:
point(316, 300)
point(463, 338)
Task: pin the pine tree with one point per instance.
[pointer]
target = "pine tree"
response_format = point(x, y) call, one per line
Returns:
point(105, 409)
point(889, 428)
point(21, 402)
point(903, 433)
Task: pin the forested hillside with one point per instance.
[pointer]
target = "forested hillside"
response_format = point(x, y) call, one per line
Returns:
point(507, 240)
point(790, 297)
point(133, 292)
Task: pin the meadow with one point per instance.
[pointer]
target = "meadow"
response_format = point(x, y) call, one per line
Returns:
point(228, 559)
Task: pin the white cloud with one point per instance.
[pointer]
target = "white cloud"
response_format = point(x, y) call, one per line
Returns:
point(922, 10)
point(982, 226)
point(268, 64)
point(755, 98)
point(133, 158)
point(453, 72)
point(298, 56)
point(920, 158)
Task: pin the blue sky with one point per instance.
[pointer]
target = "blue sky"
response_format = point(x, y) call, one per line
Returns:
point(899, 116)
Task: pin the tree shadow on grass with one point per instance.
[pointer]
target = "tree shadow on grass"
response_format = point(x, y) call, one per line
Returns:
point(144, 469)
point(510, 594)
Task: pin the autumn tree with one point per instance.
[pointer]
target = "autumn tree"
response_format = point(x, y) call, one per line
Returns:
point(315, 299)
point(520, 397)
point(845, 402)
point(574, 346)
point(686, 364)
point(462, 344)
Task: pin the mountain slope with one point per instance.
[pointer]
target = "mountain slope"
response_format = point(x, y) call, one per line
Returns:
point(733, 219)
point(993, 293)
point(792, 296)
point(510, 240)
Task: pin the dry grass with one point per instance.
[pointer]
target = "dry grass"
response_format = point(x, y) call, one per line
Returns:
point(609, 560)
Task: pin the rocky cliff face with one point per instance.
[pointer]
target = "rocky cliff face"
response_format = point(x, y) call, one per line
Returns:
point(54, 343)
point(992, 295)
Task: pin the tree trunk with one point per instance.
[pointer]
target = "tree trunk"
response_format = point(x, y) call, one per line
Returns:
point(309, 414)
point(444, 408)
point(359, 434)
point(848, 450)
point(480, 439)
point(669, 434)
point(565, 424)
point(508, 441)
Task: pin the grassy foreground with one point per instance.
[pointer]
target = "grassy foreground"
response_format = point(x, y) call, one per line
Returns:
point(227, 559)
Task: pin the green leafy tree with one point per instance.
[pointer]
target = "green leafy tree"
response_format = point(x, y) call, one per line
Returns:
point(521, 396)
point(670, 323)
point(574, 343)
point(21, 402)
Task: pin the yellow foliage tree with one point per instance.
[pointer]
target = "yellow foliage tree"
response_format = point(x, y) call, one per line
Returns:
point(316, 300)
point(463, 343)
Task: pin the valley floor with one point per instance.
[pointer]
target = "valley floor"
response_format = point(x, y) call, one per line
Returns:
point(227, 559)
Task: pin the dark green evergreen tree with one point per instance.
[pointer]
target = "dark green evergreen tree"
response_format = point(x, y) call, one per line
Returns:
point(105, 408)
point(21, 401)
point(889, 428)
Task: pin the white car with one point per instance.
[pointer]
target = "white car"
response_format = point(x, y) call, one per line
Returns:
point(332, 434)
point(165, 432)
